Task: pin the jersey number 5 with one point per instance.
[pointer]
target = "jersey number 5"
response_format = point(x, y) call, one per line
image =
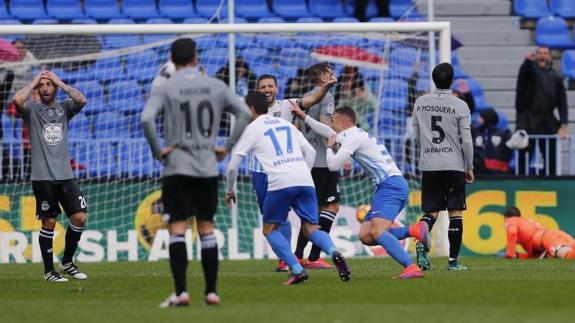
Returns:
point(435, 127)
point(203, 108)
point(272, 134)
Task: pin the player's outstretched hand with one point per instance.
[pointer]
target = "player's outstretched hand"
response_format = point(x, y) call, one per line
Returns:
point(230, 197)
point(296, 110)
point(469, 176)
point(221, 153)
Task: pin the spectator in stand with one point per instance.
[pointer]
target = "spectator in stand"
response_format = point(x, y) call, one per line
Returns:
point(298, 85)
point(23, 73)
point(246, 81)
point(491, 153)
point(461, 90)
point(351, 91)
point(540, 91)
point(361, 7)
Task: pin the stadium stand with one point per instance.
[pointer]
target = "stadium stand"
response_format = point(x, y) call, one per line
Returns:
point(553, 32)
point(102, 9)
point(140, 9)
point(568, 64)
point(65, 9)
point(563, 8)
point(531, 9)
point(209, 8)
point(177, 9)
point(253, 9)
point(291, 9)
point(28, 9)
point(326, 9)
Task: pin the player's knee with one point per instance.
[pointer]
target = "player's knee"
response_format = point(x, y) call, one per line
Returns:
point(79, 219)
point(309, 228)
point(49, 223)
point(205, 227)
point(365, 238)
point(375, 232)
point(268, 228)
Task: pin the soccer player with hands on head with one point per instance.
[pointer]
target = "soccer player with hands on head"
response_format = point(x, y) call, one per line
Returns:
point(52, 178)
point(347, 141)
point(286, 158)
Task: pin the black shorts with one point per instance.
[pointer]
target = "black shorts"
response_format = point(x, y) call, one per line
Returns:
point(326, 185)
point(443, 190)
point(49, 193)
point(187, 196)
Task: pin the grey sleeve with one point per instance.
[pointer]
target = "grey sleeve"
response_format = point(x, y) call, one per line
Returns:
point(466, 140)
point(327, 105)
point(236, 107)
point(153, 108)
point(415, 128)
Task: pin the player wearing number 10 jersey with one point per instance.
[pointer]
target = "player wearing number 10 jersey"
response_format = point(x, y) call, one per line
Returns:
point(192, 107)
point(442, 128)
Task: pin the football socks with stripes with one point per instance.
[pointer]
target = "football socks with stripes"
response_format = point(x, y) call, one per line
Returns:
point(45, 240)
point(178, 262)
point(210, 261)
point(73, 234)
point(455, 236)
point(301, 244)
point(283, 250)
point(429, 221)
point(394, 248)
point(326, 219)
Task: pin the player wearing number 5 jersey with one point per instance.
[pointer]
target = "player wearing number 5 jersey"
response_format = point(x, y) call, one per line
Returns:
point(192, 107)
point(52, 178)
point(442, 129)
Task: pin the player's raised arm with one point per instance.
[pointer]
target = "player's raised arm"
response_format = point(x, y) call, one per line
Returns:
point(21, 96)
point(153, 108)
point(76, 96)
point(322, 75)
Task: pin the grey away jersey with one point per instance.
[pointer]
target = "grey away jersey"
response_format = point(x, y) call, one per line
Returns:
point(48, 128)
point(442, 127)
point(192, 107)
point(325, 107)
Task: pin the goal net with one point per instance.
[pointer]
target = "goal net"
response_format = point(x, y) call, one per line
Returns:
point(381, 68)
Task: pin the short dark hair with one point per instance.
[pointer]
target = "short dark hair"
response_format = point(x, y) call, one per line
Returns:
point(258, 101)
point(183, 51)
point(267, 76)
point(511, 212)
point(443, 76)
point(347, 111)
point(315, 71)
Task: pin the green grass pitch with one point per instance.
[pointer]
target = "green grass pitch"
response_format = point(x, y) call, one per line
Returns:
point(493, 290)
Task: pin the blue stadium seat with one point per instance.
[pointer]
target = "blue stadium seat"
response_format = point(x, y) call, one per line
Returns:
point(177, 9)
point(503, 122)
point(291, 8)
point(252, 9)
point(65, 9)
point(94, 92)
point(136, 158)
point(327, 8)
point(195, 20)
point(531, 9)
point(102, 9)
point(309, 20)
point(398, 8)
point(4, 14)
point(140, 9)
point(45, 21)
point(119, 40)
point(563, 8)
point(346, 19)
point(382, 19)
point(370, 12)
point(553, 33)
point(84, 21)
point(125, 96)
point(10, 22)
point(28, 9)
point(568, 63)
point(108, 69)
point(237, 20)
point(142, 65)
point(401, 61)
point(208, 8)
point(150, 38)
point(214, 58)
point(271, 20)
point(80, 127)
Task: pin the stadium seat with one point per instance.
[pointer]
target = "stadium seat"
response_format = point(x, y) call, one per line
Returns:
point(140, 9)
point(91, 89)
point(401, 61)
point(80, 128)
point(291, 8)
point(10, 22)
point(84, 21)
point(382, 19)
point(45, 21)
point(195, 20)
point(4, 14)
point(309, 20)
point(271, 20)
point(136, 158)
point(108, 69)
point(208, 8)
point(177, 9)
point(327, 8)
point(142, 65)
point(252, 9)
point(65, 9)
point(370, 12)
point(102, 9)
point(150, 38)
point(563, 8)
point(125, 97)
point(237, 20)
point(398, 8)
point(346, 19)
point(531, 9)
point(120, 40)
point(568, 63)
point(553, 33)
point(28, 9)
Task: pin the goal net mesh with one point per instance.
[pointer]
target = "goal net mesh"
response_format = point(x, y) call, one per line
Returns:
point(379, 74)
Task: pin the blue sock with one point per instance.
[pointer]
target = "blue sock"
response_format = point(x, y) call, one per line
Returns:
point(323, 241)
point(283, 250)
point(394, 249)
point(399, 233)
point(285, 229)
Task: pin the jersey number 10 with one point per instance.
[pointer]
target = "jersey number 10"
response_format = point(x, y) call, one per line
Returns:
point(203, 108)
point(271, 133)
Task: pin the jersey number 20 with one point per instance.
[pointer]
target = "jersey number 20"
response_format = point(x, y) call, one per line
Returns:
point(271, 133)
